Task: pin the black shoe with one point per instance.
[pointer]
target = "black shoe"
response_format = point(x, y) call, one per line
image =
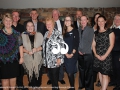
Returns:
point(98, 84)
point(62, 81)
point(80, 88)
point(116, 88)
point(71, 89)
point(111, 84)
point(49, 82)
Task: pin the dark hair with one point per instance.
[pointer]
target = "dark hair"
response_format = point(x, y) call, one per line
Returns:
point(93, 19)
point(27, 23)
point(34, 10)
point(105, 27)
point(64, 27)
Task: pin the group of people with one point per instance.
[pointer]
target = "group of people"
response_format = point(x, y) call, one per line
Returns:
point(34, 45)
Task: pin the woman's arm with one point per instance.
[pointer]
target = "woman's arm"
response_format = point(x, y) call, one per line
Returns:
point(94, 48)
point(37, 49)
point(112, 40)
point(21, 54)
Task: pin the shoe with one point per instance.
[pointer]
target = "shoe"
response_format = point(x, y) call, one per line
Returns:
point(80, 88)
point(116, 88)
point(71, 89)
point(49, 82)
point(62, 81)
point(98, 84)
point(111, 84)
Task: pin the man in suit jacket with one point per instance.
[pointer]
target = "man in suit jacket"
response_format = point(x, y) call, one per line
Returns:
point(59, 26)
point(39, 26)
point(78, 15)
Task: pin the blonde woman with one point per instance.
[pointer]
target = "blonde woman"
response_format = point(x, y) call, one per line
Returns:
point(10, 46)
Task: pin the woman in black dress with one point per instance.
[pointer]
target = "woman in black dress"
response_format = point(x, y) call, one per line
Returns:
point(102, 45)
point(71, 38)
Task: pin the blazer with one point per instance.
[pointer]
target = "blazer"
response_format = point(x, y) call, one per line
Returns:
point(50, 59)
point(75, 25)
point(86, 39)
point(40, 27)
point(32, 64)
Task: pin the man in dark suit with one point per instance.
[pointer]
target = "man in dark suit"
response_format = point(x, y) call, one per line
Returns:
point(39, 26)
point(59, 26)
point(20, 28)
point(78, 15)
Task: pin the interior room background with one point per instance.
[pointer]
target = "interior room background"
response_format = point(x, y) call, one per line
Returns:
point(89, 7)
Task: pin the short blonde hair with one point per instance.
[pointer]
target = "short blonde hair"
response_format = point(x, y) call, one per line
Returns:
point(49, 19)
point(7, 15)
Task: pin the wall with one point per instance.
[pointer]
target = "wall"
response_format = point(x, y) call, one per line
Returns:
point(21, 4)
point(43, 12)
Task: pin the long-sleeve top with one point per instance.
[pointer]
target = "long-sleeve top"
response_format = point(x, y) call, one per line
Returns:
point(49, 58)
point(85, 40)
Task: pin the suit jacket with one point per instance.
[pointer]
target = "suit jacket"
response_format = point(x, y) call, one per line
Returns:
point(75, 25)
point(62, 24)
point(49, 57)
point(40, 27)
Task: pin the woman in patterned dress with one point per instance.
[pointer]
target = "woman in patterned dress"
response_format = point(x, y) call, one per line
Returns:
point(10, 45)
point(102, 45)
point(51, 52)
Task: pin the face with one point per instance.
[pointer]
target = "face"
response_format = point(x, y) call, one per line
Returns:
point(78, 14)
point(117, 21)
point(96, 18)
point(68, 21)
point(84, 21)
point(49, 25)
point(7, 22)
point(30, 27)
point(34, 15)
point(55, 15)
point(101, 22)
point(15, 16)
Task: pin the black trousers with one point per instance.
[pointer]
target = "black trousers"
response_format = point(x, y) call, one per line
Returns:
point(19, 80)
point(85, 66)
point(61, 73)
point(34, 81)
point(115, 77)
point(54, 76)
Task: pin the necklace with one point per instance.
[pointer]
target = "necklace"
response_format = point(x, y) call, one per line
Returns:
point(7, 32)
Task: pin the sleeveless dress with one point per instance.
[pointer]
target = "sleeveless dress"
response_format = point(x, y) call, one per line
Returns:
point(102, 45)
point(9, 49)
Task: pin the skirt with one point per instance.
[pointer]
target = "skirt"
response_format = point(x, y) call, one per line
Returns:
point(9, 70)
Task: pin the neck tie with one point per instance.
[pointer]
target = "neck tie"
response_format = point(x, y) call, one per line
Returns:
point(56, 27)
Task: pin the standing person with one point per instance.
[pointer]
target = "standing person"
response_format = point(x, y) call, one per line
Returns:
point(52, 60)
point(19, 28)
point(32, 42)
point(85, 57)
point(94, 25)
point(102, 46)
point(10, 46)
point(59, 26)
point(79, 13)
point(94, 21)
point(115, 78)
point(39, 26)
point(71, 38)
